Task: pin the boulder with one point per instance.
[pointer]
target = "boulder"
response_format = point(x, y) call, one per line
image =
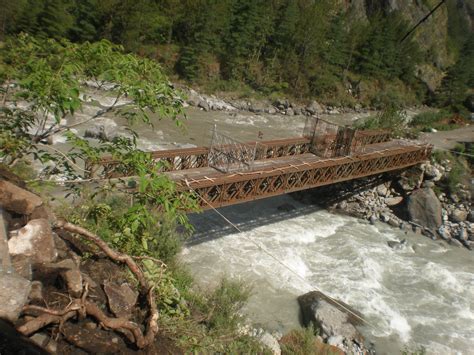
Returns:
point(102, 128)
point(257, 107)
point(22, 265)
point(270, 342)
point(193, 98)
point(14, 291)
point(71, 275)
point(424, 208)
point(432, 173)
point(282, 104)
point(392, 201)
point(314, 108)
point(458, 215)
point(462, 235)
point(373, 219)
point(444, 233)
point(18, 200)
point(393, 222)
point(204, 105)
point(271, 110)
point(289, 112)
point(35, 240)
point(331, 317)
point(383, 190)
point(121, 299)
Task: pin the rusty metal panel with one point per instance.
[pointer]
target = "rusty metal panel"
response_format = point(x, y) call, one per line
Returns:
point(237, 188)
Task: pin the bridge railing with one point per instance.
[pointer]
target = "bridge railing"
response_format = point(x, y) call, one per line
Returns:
point(228, 154)
point(198, 157)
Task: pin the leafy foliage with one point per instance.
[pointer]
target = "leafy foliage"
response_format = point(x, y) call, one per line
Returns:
point(456, 87)
point(49, 76)
point(391, 118)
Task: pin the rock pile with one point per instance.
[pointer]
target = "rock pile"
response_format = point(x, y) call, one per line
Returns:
point(414, 200)
point(38, 268)
point(280, 106)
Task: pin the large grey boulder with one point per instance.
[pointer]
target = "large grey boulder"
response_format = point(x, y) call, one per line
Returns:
point(314, 108)
point(425, 209)
point(204, 105)
point(35, 240)
point(331, 317)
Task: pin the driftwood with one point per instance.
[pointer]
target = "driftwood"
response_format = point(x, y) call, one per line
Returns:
point(82, 307)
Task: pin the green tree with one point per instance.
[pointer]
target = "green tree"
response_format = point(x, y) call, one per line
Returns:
point(382, 54)
point(458, 83)
point(55, 19)
point(251, 23)
point(86, 21)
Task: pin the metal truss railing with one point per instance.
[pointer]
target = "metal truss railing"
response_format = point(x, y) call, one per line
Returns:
point(198, 157)
point(228, 154)
point(241, 187)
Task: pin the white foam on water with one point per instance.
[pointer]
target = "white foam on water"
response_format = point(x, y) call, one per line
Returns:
point(417, 298)
point(442, 277)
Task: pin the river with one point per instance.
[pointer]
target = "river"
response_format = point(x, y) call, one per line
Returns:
point(422, 295)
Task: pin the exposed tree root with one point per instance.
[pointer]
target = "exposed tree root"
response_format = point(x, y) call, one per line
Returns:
point(82, 307)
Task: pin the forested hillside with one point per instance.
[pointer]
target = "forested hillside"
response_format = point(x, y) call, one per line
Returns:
point(339, 51)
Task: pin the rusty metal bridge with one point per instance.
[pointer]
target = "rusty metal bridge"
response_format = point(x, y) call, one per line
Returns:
point(230, 172)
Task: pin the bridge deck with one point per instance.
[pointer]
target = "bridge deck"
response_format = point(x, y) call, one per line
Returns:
point(274, 176)
point(298, 161)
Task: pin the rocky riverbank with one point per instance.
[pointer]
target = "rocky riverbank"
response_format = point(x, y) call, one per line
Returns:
point(279, 106)
point(415, 200)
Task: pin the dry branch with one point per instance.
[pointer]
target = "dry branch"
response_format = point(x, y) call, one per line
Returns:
point(114, 255)
point(82, 307)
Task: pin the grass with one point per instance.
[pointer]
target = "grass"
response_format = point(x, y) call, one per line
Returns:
point(438, 120)
point(306, 342)
point(460, 170)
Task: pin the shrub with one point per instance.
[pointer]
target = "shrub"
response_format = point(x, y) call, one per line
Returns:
point(391, 117)
point(301, 342)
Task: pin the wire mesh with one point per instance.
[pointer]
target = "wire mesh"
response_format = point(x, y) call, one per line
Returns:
point(228, 154)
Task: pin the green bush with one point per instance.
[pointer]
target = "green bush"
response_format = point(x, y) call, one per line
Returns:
point(459, 173)
point(391, 118)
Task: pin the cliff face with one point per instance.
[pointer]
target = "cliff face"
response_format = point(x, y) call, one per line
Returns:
point(435, 36)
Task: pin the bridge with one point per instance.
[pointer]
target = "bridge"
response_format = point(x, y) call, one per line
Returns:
point(230, 172)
